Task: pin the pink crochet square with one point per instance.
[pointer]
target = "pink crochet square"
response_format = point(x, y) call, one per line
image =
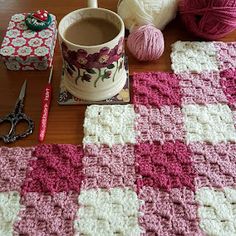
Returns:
point(226, 55)
point(228, 83)
point(43, 215)
point(201, 88)
point(215, 165)
point(159, 124)
point(164, 166)
point(169, 213)
point(13, 166)
point(156, 89)
point(106, 167)
point(57, 168)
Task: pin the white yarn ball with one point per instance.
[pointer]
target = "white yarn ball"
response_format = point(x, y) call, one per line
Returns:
point(142, 12)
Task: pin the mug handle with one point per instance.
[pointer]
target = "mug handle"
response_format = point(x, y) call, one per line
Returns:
point(92, 3)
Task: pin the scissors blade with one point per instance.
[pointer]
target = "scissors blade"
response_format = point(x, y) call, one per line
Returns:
point(22, 93)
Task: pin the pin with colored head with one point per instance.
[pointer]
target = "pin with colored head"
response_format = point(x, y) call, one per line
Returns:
point(38, 20)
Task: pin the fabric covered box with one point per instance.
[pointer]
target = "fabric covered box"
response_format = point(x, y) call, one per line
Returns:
point(24, 49)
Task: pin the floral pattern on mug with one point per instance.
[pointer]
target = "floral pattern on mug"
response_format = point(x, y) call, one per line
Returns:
point(24, 51)
point(66, 98)
point(105, 59)
point(7, 51)
point(18, 42)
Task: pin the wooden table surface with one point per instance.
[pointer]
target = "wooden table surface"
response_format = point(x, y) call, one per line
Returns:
point(65, 123)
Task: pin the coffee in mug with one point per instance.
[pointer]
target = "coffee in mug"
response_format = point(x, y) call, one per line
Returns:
point(92, 44)
point(91, 31)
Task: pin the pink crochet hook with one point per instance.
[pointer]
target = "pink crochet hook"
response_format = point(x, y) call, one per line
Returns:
point(46, 101)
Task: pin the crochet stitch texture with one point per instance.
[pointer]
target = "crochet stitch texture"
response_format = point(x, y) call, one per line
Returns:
point(13, 166)
point(108, 168)
point(104, 212)
point(217, 210)
point(198, 57)
point(164, 165)
point(226, 55)
point(209, 123)
point(228, 83)
point(156, 89)
point(42, 214)
point(109, 125)
point(194, 57)
point(215, 165)
point(159, 124)
point(9, 207)
point(204, 88)
point(169, 213)
point(57, 168)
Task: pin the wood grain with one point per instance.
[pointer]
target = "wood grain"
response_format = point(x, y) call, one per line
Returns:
point(65, 122)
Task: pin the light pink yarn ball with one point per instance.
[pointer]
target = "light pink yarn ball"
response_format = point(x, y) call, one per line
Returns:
point(146, 43)
point(209, 19)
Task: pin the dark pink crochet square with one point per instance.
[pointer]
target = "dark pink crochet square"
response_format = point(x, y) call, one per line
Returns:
point(156, 89)
point(215, 165)
point(58, 168)
point(43, 215)
point(226, 55)
point(169, 213)
point(159, 124)
point(13, 166)
point(201, 88)
point(228, 83)
point(106, 167)
point(164, 166)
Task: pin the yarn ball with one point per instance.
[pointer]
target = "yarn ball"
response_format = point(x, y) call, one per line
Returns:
point(209, 19)
point(146, 43)
point(142, 12)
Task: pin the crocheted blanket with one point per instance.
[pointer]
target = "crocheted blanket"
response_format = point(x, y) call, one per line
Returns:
point(163, 165)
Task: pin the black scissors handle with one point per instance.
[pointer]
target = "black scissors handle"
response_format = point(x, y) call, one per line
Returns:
point(15, 118)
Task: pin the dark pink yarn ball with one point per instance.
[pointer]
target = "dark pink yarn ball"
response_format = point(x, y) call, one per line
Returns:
point(209, 19)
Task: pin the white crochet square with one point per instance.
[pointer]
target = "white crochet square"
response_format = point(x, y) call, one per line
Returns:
point(108, 212)
point(217, 211)
point(109, 124)
point(194, 57)
point(210, 123)
point(9, 208)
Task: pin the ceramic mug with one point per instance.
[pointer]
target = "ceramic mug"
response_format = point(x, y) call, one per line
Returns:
point(93, 73)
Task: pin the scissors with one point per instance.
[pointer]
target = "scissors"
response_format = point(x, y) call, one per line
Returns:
point(15, 117)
